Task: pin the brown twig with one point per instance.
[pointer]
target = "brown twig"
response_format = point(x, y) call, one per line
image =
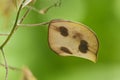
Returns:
point(11, 67)
point(14, 27)
point(6, 65)
point(8, 38)
point(32, 25)
point(23, 17)
point(4, 34)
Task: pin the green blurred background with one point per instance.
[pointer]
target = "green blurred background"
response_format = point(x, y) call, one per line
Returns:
point(29, 46)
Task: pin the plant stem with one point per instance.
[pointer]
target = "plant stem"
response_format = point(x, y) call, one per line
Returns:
point(4, 34)
point(14, 27)
point(33, 8)
point(11, 67)
point(23, 17)
point(6, 65)
point(8, 38)
point(32, 25)
point(58, 3)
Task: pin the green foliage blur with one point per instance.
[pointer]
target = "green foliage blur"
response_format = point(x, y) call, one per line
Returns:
point(29, 46)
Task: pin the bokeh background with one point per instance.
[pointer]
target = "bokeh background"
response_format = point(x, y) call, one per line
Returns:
point(29, 46)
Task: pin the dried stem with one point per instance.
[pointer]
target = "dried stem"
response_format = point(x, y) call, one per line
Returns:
point(33, 8)
point(11, 67)
point(8, 38)
point(4, 34)
point(32, 25)
point(43, 11)
point(58, 3)
point(23, 17)
point(14, 27)
point(6, 65)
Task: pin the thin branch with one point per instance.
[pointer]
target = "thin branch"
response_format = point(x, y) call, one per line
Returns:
point(32, 25)
point(33, 8)
point(4, 34)
point(6, 65)
point(14, 27)
point(10, 67)
point(8, 38)
point(58, 3)
point(23, 17)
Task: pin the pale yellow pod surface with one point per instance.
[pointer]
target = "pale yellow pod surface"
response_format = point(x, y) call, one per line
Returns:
point(69, 38)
